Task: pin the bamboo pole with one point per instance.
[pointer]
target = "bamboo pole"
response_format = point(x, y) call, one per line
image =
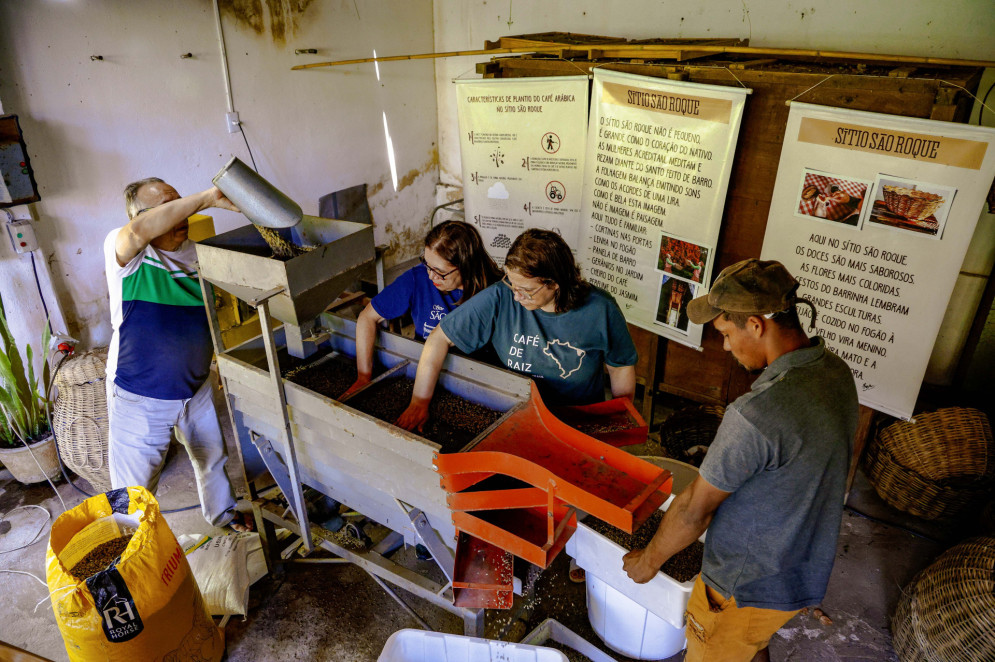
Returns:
point(669, 51)
point(432, 56)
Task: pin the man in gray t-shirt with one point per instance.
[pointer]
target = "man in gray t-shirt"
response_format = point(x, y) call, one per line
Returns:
point(770, 490)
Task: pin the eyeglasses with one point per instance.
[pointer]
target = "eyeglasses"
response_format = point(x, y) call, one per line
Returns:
point(438, 274)
point(525, 294)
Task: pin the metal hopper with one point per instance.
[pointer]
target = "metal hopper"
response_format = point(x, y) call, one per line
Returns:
point(240, 262)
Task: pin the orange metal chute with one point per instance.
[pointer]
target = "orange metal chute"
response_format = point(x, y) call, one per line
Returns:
point(519, 487)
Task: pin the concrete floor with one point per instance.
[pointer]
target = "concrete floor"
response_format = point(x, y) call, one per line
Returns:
point(336, 612)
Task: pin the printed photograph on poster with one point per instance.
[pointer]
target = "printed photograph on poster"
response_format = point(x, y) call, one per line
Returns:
point(675, 295)
point(683, 259)
point(831, 198)
point(911, 206)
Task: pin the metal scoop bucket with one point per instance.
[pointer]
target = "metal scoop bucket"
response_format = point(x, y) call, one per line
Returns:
point(261, 202)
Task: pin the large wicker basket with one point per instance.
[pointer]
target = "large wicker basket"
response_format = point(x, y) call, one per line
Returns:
point(688, 431)
point(80, 417)
point(947, 612)
point(935, 466)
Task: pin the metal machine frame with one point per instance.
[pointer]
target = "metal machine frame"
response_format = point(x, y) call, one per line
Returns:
point(296, 437)
point(251, 383)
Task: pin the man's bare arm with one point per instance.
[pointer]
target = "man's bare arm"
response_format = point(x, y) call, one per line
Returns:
point(686, 519)
point(154, 222)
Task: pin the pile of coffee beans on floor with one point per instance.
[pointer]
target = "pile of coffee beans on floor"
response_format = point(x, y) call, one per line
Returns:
point(453, 422)
point(330, 378)
point(98, 558)
point(682, 566)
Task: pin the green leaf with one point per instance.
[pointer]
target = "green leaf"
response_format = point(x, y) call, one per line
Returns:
point(14, 413)
point(22, 400)
point(31, 403)
point(9, 348)
point(46, 377)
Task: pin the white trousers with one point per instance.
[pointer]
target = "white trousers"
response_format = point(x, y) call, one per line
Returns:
point(140, 430)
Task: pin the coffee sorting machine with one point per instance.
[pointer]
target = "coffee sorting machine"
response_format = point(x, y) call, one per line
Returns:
point(514, 489)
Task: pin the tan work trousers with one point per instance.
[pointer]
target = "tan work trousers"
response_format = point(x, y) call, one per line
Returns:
point(719, 631)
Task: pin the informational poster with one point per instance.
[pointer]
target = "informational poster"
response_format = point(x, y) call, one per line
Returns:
point(522, 149)
point(873, 215)
point(659, 154)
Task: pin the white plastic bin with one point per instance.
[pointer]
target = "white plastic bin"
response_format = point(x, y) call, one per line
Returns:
point(422, 646)
point(627, 627)
point(642, 621)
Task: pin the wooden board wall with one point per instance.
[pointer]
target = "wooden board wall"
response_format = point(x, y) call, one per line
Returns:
point(712, 375)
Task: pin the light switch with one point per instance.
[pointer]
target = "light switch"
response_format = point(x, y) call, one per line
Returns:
point(22, 235)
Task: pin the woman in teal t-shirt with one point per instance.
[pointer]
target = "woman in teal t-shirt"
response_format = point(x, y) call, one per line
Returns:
point(544, 321)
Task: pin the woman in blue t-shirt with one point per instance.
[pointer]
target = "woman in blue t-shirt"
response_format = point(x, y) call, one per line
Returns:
point(454, 267)
point(543, 321)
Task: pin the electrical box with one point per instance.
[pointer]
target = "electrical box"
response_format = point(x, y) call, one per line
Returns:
point(22, 236)
point(17, 180)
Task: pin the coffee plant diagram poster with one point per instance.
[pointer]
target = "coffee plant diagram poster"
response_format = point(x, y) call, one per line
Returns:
point(522, 146)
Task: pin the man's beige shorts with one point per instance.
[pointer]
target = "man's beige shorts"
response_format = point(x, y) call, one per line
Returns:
point(719, 631)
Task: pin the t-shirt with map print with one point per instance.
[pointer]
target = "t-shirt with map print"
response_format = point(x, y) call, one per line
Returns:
point(565, 353)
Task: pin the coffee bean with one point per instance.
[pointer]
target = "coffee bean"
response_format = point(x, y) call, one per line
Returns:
point(453, 422)
point(682, 566)
point(283, 250)
point(329, 378)
point(98, 558)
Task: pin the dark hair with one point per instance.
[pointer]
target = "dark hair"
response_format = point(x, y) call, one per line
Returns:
point(131, 203)
point(459, 244)
point(786, 319)
point(544, 255)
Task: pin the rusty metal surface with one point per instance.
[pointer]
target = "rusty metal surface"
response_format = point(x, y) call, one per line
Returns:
point(483, 574)
point(535, 447)
point(518, 487)
point(625, 426)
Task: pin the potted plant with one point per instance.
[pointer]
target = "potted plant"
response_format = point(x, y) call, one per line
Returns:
point(27, 446)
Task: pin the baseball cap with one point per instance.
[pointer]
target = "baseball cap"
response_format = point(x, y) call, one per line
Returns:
point(754, 287)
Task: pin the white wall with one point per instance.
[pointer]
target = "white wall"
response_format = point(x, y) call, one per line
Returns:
point(93, 126)
point(955, 29)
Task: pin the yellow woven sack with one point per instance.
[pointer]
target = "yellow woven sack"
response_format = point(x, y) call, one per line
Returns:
point(146, 604)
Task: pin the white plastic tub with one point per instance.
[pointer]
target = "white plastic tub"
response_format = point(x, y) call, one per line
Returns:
point(642, 621)
point(422, 646)
point(627, 627)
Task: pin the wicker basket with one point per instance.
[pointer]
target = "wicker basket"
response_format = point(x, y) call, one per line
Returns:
point(911, 203)
point(947, 612)
point(80, 417)
point(689, 430)
point(936, 466)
